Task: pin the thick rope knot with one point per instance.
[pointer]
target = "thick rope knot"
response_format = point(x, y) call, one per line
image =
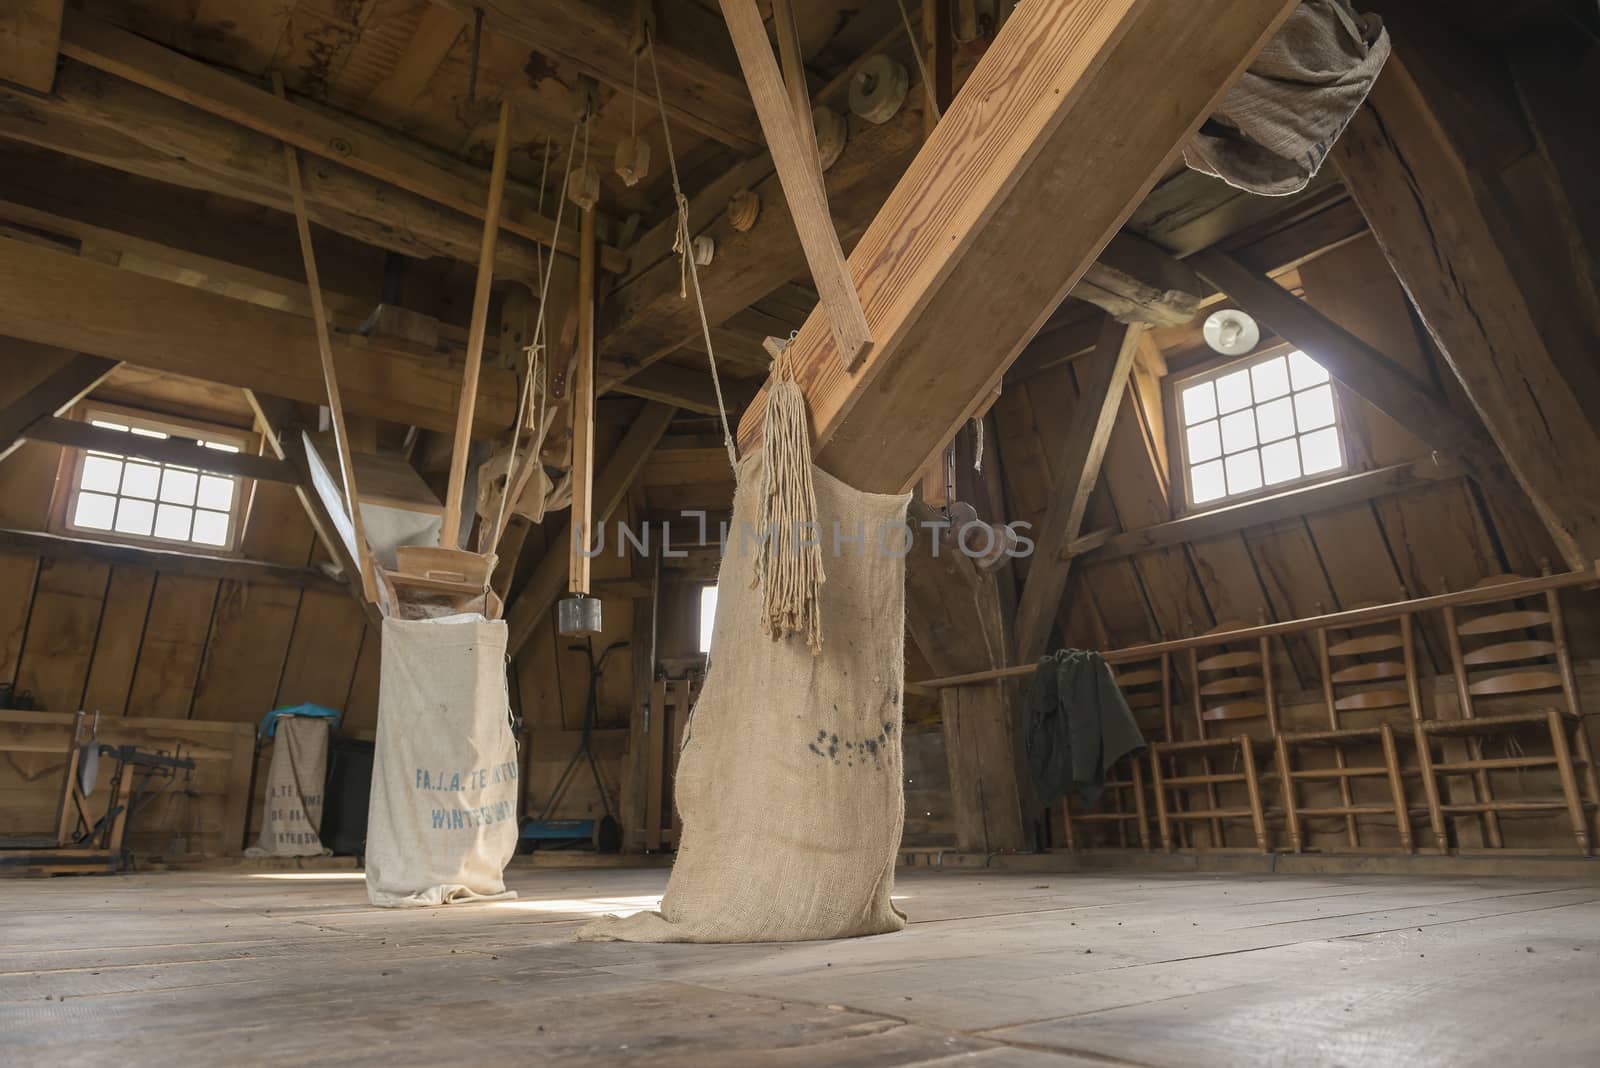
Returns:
point(683, 245)
point(788, 567)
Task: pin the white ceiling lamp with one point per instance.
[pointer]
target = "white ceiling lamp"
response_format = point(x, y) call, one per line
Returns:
point(1231, 332)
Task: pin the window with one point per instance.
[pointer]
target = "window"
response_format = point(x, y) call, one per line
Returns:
point(135, 498)
point(708, 616)
point(1260, 425)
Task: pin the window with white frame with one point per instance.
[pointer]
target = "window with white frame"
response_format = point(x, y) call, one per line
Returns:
point(129, 497)
point(1262, 424)
point(708, 616)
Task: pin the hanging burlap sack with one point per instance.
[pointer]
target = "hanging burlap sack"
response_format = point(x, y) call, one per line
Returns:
point(291, 816)
point(1275, 126)
point(789, 780)
point(443, 818)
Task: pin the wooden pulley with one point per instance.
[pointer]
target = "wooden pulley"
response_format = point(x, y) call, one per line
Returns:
point(583, 187)
point(879, 89)
point(632, 160)
point(704, 249)
point(744, 208)
point(832, 133)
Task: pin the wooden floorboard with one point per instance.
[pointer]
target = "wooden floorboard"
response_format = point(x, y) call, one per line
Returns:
point(995, 968)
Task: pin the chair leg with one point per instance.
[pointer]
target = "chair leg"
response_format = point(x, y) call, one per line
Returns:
point(1591, 776)
point(1430, 788)
point(1162, 821)
point(1138, 802)
point(1397, 789)
point(1286, 779)
point(1569, 781)
point(1219, 834)
point(1066, 824)
point(1257, 815)
point(1483, 793)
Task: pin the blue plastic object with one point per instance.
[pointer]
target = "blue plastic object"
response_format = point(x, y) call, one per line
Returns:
point(269, 722)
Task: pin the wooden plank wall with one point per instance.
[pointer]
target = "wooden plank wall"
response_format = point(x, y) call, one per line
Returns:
point(137, 642)
point(1445, 536)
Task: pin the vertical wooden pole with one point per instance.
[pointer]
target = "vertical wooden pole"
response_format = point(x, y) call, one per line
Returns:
point(330, 381)
point(450, 536)
point(583, 414)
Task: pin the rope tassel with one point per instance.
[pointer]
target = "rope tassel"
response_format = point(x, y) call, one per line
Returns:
point(789, 564)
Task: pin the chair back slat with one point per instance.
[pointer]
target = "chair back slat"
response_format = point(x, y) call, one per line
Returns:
point(1373, 672)
point(1232, 681)
point(1500, 622)
point(1368, 700)
point(1521, 649)
point(1515, 682)
point(1358, 677)
point(1508, 652)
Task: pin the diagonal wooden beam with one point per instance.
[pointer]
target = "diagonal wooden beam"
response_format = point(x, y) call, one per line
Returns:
point(64, 387)
point(1364, 370)
point(55, 298)
point(1076, 472)
point(959, 270)
point(1288, 505)
point(539, 593)
point(343, 139)
point(794, 153)
point(1447, 241)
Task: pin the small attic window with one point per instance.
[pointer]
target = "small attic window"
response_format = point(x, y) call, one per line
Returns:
point(130, 498)
point(1256, 426)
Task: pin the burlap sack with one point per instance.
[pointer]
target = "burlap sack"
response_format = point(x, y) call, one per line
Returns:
point(1275, 127)
point(291, 815)
point(789, 781)
point(443, 818)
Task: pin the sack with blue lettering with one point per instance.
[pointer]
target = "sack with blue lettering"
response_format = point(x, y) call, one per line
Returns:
point(443, 819)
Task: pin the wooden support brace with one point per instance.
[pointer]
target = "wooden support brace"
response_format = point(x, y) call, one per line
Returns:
point(583, 510)
point(800, 176)
point(64, 387)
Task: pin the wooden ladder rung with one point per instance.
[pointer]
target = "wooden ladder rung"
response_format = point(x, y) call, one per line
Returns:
point(1489, 764)
point(1204, 780)
point(1347, 810)
point(1339, 773)
point(1212, 814)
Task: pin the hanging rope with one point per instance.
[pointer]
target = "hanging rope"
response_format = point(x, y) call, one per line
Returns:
point(789, 564)
point(535, 350)
point(683, 245)
point(977, 446)
point(922, 66)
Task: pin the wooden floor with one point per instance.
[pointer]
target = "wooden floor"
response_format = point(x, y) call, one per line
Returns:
point(995, 969)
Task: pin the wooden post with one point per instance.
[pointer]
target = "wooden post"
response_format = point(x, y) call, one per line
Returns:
point(450, 535)
point(583, 512)
point(330, 380)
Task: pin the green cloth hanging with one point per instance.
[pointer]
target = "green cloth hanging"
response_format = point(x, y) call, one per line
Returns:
point(1076, 725)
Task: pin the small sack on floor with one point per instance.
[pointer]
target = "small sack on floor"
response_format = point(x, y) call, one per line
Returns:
point(443, 818)
point(291, 816)
point(789, 778)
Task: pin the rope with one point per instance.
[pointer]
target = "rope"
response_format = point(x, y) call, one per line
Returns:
point(683, 245)
point(788, 568)
point(977, 446)
point(535, 349)
point(922, 66)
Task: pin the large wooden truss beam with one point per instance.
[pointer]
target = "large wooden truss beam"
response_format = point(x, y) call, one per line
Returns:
point(968, 257)
point(55, 298)
point(30, 31)
point(1445, 237)
point(343, 139)
point(73, 377)
point(102, 119)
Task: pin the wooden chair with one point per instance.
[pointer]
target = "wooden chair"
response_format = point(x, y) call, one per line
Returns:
point(1511, 662)
point(1147, 687)
point(1231, 683)
point(1360, 676)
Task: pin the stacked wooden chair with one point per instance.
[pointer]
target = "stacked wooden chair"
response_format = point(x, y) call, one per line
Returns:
point(1514, 683)
point(1124, 807)
point(1369, 671)
point(1236, 726)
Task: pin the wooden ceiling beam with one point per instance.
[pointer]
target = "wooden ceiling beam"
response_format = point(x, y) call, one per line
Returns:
point(55, 298)
point(1077, 472)
point(958, 270)
point(30, 33)
point(1447, 238)
point(699, 77)
point(102, 119)
point(344, 139)
point(76, 434)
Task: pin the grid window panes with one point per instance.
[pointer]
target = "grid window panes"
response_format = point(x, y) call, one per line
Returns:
point(138, 498)
point(1254, 426)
